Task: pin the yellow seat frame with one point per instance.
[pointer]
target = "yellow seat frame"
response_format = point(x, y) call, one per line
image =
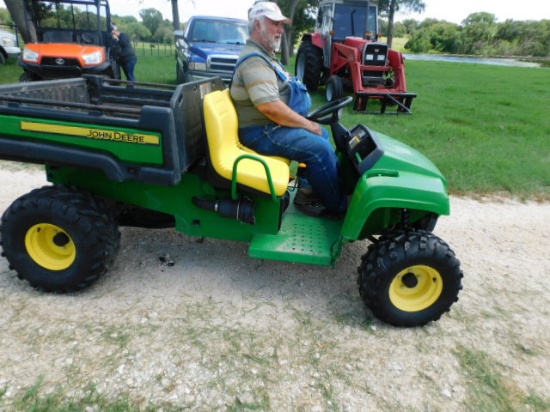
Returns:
point(231, 160)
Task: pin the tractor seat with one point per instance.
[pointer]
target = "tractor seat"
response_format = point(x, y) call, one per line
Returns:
point(226, 152)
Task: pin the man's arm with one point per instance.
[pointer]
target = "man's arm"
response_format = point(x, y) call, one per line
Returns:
point(280, 113)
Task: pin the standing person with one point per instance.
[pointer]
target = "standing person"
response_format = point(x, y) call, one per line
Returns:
point(125, 53)
point(271, 106)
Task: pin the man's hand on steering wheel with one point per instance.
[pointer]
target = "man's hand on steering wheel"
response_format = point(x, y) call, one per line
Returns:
point(330, 113)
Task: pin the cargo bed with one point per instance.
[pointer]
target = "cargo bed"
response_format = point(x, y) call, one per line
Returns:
point(144, 132)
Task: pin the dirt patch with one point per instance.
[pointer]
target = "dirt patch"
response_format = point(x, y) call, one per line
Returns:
point(218, 330)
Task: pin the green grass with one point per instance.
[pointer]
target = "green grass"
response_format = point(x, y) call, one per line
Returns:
point(34, 400)
point(486, 127)
point(488, 388)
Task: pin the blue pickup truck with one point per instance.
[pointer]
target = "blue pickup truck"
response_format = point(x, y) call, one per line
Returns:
point(209, 47)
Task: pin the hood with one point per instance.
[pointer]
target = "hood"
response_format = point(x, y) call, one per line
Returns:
point(206, 49)
point(63, 53)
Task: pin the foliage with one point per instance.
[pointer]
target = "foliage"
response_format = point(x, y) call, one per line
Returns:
point(5, 17)
point(481, 34)
point(152, 19)
point(417, 6)
point(136, 31)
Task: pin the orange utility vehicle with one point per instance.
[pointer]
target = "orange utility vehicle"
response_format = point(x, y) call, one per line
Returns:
point(73, 38)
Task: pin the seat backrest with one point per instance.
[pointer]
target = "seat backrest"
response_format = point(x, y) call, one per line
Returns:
point(222, 129)
point(224, 148)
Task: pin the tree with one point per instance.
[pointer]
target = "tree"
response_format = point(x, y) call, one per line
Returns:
point(17, 12)
point(390, 7)
point(152, 19)
point(5, 17)
point(136, 31)
point(175, 15)
point(301, 13)
point(165, 33)
point(479, 30)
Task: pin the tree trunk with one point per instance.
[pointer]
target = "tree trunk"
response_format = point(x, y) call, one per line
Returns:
point(391, 16)
point(17, 12)
point(287, 48)
point(175, 15)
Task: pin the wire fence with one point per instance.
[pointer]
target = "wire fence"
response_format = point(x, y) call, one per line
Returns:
point(154, 49)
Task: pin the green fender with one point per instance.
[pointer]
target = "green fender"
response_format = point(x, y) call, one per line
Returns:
point(381, 194)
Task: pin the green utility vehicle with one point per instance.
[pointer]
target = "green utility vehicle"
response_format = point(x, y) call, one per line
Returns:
point(168, 156)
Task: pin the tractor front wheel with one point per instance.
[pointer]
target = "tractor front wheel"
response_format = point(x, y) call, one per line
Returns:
point(59, 239)
point(309, 65)
point(409, 278)
point(334, 89)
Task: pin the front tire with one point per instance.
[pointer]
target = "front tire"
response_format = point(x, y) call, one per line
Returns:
point(59, 239)
point(334, 88)
point(28, 77)
point(409, 278)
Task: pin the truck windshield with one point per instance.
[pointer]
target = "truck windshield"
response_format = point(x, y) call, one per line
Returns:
point(219, 32)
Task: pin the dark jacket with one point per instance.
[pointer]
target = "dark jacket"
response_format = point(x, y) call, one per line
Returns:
point(125, 51)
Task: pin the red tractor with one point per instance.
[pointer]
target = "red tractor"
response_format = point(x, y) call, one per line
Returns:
point(344, 54)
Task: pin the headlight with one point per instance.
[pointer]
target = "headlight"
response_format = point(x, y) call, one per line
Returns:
point(30, 55)
point(93, 58)
point(197, 66)
point(8, 41)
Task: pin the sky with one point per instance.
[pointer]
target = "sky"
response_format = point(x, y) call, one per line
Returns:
point(450, 10)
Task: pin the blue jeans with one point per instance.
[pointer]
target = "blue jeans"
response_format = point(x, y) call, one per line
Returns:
point(128, 68)
point(315, 151)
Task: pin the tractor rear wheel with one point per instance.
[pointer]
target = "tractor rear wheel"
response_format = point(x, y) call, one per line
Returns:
point(59, 239)
point(409, 278)
point(309, 65)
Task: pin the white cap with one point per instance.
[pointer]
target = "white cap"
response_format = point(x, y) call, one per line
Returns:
point(269, 10)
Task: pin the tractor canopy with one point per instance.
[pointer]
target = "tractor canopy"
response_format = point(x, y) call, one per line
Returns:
point(342, 19)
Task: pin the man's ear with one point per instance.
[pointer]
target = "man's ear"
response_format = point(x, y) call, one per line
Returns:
point(257, 25)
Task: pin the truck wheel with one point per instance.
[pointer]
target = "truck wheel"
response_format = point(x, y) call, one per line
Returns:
point(309, 65)
point(179, 74)
point(2, 58)
point(409, 278)
point(335, 88)
point(59, 239)
point(27, 77)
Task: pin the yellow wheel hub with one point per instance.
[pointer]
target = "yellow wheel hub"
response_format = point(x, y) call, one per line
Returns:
point(416, 288)
point(50, 246)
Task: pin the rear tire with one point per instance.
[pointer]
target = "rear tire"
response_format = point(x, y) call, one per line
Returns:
point(309, 65)
point(3, 59)
point(409, 278)
point(59, 239)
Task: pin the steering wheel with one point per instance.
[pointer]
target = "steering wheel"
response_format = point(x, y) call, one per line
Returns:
point(330, 112)
point(87, 38)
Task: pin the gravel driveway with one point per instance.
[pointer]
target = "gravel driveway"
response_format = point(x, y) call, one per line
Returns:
point(198, 325)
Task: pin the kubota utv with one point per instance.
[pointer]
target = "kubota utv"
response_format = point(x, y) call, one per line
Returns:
point(73, 38)
point(343, 53)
